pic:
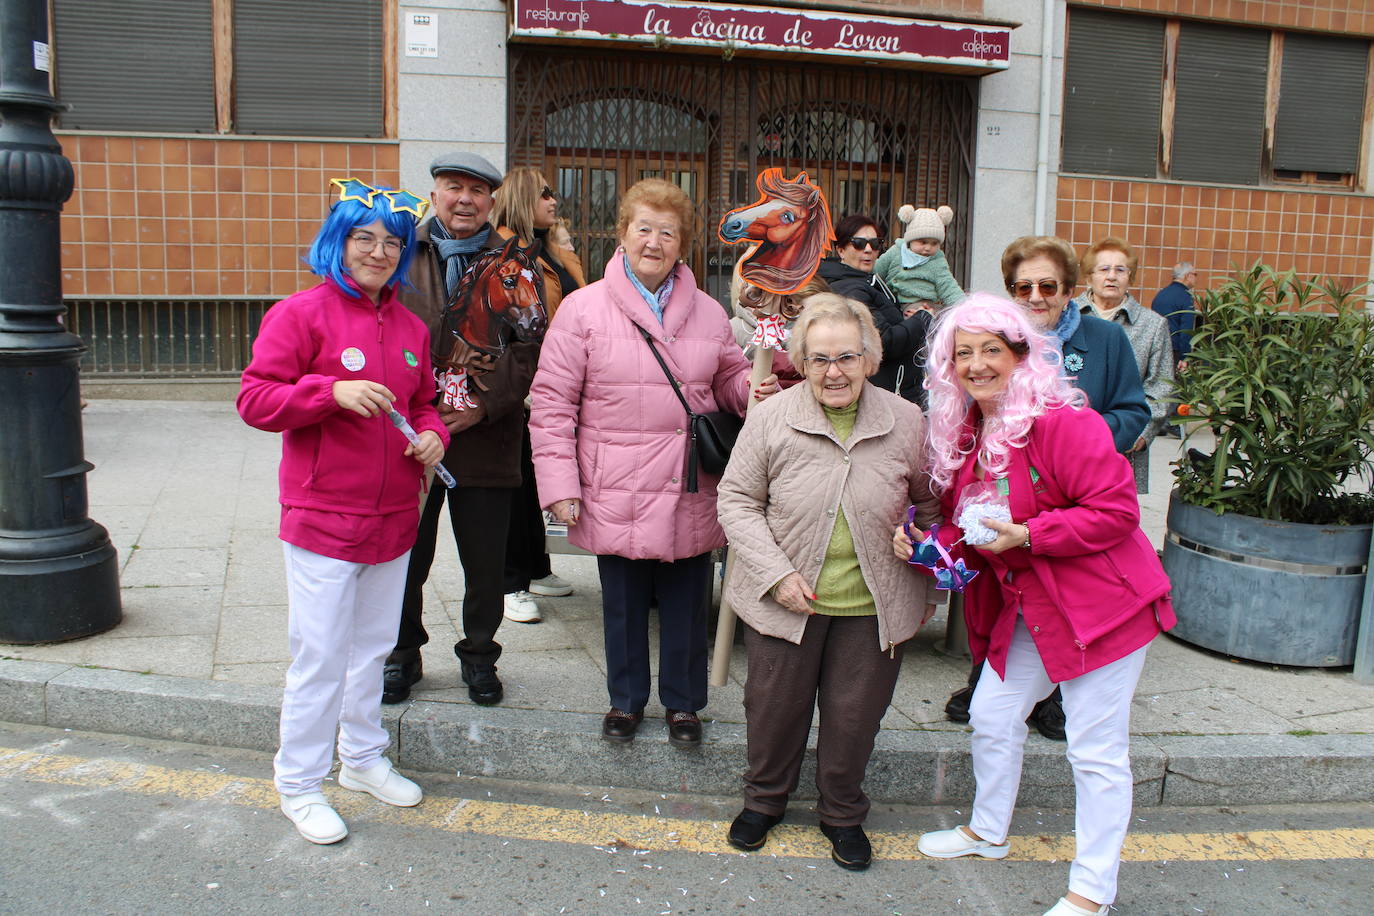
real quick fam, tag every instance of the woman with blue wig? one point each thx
(331, 366)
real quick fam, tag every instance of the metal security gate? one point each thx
(872, 138)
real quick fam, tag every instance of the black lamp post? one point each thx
(58, 573)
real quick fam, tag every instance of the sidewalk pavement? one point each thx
(188, 493)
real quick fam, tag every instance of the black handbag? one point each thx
(713, 434)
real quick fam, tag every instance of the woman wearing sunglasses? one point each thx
(525, 207)
(858, 242)
(1068, 591)
(817, 479)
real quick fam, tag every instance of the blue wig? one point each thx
(327, 251)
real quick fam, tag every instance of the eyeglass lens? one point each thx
(1022, 289)
(861, 242)
(548, 193)
(366, 243)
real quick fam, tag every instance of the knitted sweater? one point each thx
(931, 282)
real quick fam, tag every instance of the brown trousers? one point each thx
(839, 661)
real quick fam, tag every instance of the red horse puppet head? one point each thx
(499, 297)
(790, 224)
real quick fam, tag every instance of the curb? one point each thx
(908, 767)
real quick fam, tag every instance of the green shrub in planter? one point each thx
(1268, 536)
(1282, 370)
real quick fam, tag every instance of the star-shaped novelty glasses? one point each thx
(953, 575)
(401, 201)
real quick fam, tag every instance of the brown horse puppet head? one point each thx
(499, 297)
(790, 227)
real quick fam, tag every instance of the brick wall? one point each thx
(213, 217)
(1214, 226)
(1354, 17)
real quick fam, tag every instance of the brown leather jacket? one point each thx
(487, 454)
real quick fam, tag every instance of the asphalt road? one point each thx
(100, 824)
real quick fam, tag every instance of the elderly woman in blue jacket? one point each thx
(1041, 273)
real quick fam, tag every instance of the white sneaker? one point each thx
(520, 608)
(551, 587)
(382, 782)
(314, 818)
(951, 844)
(1067, 908)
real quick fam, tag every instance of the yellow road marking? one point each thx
(627, 832)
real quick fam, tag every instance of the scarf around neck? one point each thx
(1069, 320)
(456, 253)
(658, 300)
(911, 259)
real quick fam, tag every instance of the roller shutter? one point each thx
(1113, 84)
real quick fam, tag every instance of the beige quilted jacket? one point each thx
(777, 502)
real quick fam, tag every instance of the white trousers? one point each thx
(1097, 706)
(343, 622)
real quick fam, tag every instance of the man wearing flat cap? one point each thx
(484, 455)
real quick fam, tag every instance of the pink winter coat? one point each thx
(606, 428)
(1091, 587)
(348, 473)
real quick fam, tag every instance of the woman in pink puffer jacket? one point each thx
(610, 441)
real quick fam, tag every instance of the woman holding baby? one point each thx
(1066, 588)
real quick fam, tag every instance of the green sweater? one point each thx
(840, 588)
(931, 282)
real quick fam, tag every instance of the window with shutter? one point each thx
(1219, 115)
(1321, 100)
(146, 66)
(1113, 86)
(310, 67)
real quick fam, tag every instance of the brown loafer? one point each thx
(684, 728)
(619, 725)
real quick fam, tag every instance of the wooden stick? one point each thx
(725, 625)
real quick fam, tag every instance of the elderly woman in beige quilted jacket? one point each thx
(818, 479)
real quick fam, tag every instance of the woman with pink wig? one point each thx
(1065, 588)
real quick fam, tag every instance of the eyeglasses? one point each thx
(548, 193)
(820, 364)
(860, 242)
(1111, 269)
(950, 574)
(366, 243)
(1022, 289)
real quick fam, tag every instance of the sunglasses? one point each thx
(548, 194)
(861, 242)
(1022, 289)
(953, 576)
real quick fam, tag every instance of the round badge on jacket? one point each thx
(353, 359)
(411, 361)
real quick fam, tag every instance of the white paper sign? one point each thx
(40, 56)
(422, 35)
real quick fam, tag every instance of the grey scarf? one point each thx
(456, 253)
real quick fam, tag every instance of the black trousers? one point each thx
(479, 517)
(682, 591)
(526, 558)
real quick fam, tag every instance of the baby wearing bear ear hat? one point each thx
(915, 268)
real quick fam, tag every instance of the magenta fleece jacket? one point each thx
(334, 460)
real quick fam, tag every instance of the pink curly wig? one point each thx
(1036, 385)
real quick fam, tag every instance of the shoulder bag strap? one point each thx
(691, 417)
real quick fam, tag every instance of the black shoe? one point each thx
(619, 725)
(750, 829)
(684, 728)
(484, 687)
(956, 710)
(849, 846)
(397, 678)
(1048, 717)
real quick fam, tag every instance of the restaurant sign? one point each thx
(946, 45)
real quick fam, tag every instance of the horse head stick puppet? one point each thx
(789, 226)
(790, 231)
(500, 297)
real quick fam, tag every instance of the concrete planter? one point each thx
(1277, 592)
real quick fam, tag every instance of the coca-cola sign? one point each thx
(949, 45)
